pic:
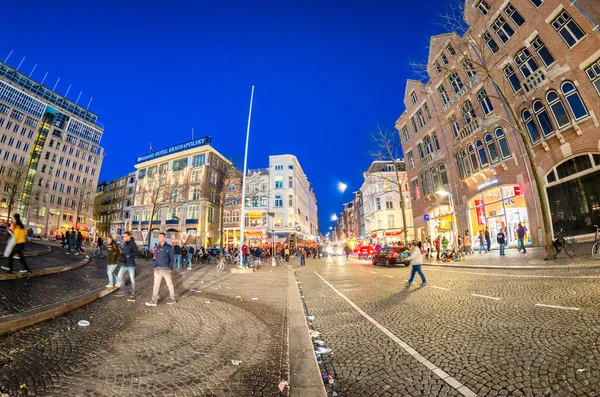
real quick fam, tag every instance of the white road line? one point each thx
(486, 297)
(385, 275)
(462, 389)
(373, 272)
(557, 307)
(436, 287)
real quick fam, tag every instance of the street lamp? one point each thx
(442, 192)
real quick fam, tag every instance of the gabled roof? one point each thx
(435, 45)
(410, 84)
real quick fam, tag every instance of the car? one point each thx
(390, 256)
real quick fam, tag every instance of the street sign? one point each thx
(426, 217)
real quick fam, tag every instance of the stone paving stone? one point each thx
(505, 347)
(180, 350)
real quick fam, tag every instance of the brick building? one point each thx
(113, 204)
(523, 68)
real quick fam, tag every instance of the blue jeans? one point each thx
(482, 247)
(98, 249)
(299, 261)
(189, 260)
(177, 263)
(522, 244)
(416, 269)
(110, 269)
(502, 249)
(122, 270)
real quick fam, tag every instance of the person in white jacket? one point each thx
(416, 260)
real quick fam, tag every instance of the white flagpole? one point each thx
(243, 217)
(33, 70)
(9, 54)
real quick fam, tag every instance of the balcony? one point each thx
(432, 158)
(534, 81)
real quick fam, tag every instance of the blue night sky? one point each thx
(325, 74)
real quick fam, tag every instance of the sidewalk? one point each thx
(31, 249)
(179, 350)
(43, 264)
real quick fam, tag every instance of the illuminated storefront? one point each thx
(440, 222)
(497, 207)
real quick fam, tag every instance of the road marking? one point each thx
(557, 307)
(385, 275)
(486, 297)
(436, 287)
(462, 389)
(373, 272)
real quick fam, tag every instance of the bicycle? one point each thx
(221, 265)
(596, 245)
(561, 244)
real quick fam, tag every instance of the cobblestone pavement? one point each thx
(53, 259)
(29, 246)
(497, 332)
(181, 350)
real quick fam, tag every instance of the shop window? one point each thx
(491, 148)
(573, 166)
(542, 117)
(532, 130)
(443, 175)
(558, 109)
(574, 100)
(483, 159)
(502, 143)
(473, 157)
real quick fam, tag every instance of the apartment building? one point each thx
(50, 155)
(113, 204)
(524, 69)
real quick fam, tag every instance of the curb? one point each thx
(21, 321)
(46, 271)
(305, 374)
(47, 251)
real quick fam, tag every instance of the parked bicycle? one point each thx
(560, 244)
(596, 245)
(453, 254)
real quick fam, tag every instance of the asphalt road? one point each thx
(468, 332)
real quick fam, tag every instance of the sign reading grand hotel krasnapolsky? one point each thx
(174, 149)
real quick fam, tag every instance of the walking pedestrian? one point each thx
(287, 253)
(347, 251)
(303, 257)
(99, 247)
(163, 267)
(20, 235)
(177, 252)
(65, 241)
(482, 242)
(467, 242)
(127, 261)
(437, 244)
(416, 260)
(501, 238)
(112, 259)
(488, 240)
(521, 238)
(190, 252)
(245, 252)
(72, 240)
(445, 244)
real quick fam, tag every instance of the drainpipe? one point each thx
(585, 14)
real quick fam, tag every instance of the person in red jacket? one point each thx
(437, 243)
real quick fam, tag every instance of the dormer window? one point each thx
(450, 50)
(413, 98)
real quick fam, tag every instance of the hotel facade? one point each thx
(467, 165)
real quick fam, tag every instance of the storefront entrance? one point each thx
(497, 208)
(440, 223)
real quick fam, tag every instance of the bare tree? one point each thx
(229, 176)
(83, 199)
(159, 191)
(480, 65)
(387, 148)
(12, 183)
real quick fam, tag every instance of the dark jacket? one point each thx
(521, 232)
(487, 235)
(501, 238)
(128, 253)
(191, 250)
(177, 249)
(112, 253)
(164, 256)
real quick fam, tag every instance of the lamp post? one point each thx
(454, 227)
(94, 227)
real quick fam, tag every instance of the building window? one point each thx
(411, 159)
(444, 59)
(542, 117)
(290, 181)
(459, 162)
(389, 204)
(435, 141)
(465, 160)
(537, 3)
(483, 159)
(278, 201)
(491, 148)
(435, 179)
(414, 125)
(593, 73)
(450, 50)
(502, 29)
(568, 29)
(195, 193)
(502, 143)
(490, 42)
(378, 204)
(405, 133)
(437, 67)
(512, 78)
(468, 68)
(443, 175)
(391, 222)
(426, 111)
(574, 100)
(558, 109)
(278, 167)
(468, 112)
(413, 98)
(483, 7)
(199, 160)
(428, 145)
(455, 82)
(485, 102)
(525, 62)
(213, 178)
(542, 51)
(279, 182)
(513, 14)
(291, 200)
(179, 164)
(211, 214)
(420, 150)
(453, 121)
(473, 157)
(420, 118)
(416, 193)
(445, 100)
(192, 212)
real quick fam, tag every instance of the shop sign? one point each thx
(480, 212)
(488, 183)
(174, 149)
(374, 235)
(472, 81)
(255, 215)
(426, 217)
(253, 234)
(399, 233)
